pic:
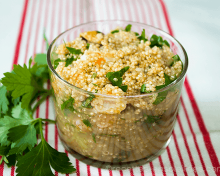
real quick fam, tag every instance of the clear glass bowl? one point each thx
(124, 131)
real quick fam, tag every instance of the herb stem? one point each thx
(48, 120)
(42, 99)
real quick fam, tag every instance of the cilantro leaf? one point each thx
(23, 137)
(21, 83)
(116, 78)
(70, 61)
(41, 59)
(87, 123)
(136, 33)
(143, 89)
(162, 95)
(176, 58)
(152, 119)
(158, 41)
(39, 159)
(87, 46)
(98, 32)
(5, 124)
(142, 37)
(87, 103)
(93, 137)
(3, 100)
(128, 28)
(68, 104)
(115, 31)
(74, 50)
(56, 63)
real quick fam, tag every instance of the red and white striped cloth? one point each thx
(191, 151)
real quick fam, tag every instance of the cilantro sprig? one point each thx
(162, 95)
(142, 36)
(116, 78)
(158, 41)
(19, 91)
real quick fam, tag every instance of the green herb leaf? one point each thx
(98, 31)
(74, 50)
(93, 137)
(39, 160)
(23, 137)
(96, 90)
(41, 59)
(128, 28)
(162, 95)
(143, 89)
(115, 31)
(87, 102)
(87, 123)
(94, 84)
(87, 46)
(56, 63)
(175, 58)
(142, 37)
(152, 119)
(70, 61)
(21, 83)
(158, 41)
(3, 100)
(94, 75)
(136, 33)
(116, 78)
(68, 104)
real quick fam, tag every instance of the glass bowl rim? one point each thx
(115, 96)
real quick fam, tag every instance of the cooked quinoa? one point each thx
(112, 52)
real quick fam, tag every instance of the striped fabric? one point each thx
(191, 150)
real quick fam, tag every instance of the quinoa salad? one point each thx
(122, 64)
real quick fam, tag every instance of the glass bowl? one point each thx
(115, 131)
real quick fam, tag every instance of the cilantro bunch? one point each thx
(19, 91)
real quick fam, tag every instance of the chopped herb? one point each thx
(87, 102)
(116, 78)
(136, 33)
(56, 63)
(87, 123)
(74, 50)
(70, 61)
(162, 95)
(142, 37)
(98, 32)
(122, 118)
(88, 156)
(87, 46)
(151, 119)
(143, 89)
(68, 104)
(136, 121)
(115, 31)
(93, 137)
(94, 75)
(158, 41)
(175, 58)
(128, 28)
(94, 84)
(96, 90)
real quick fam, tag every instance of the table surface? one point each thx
(194, 149)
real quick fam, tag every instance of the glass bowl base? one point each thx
(114, 166)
